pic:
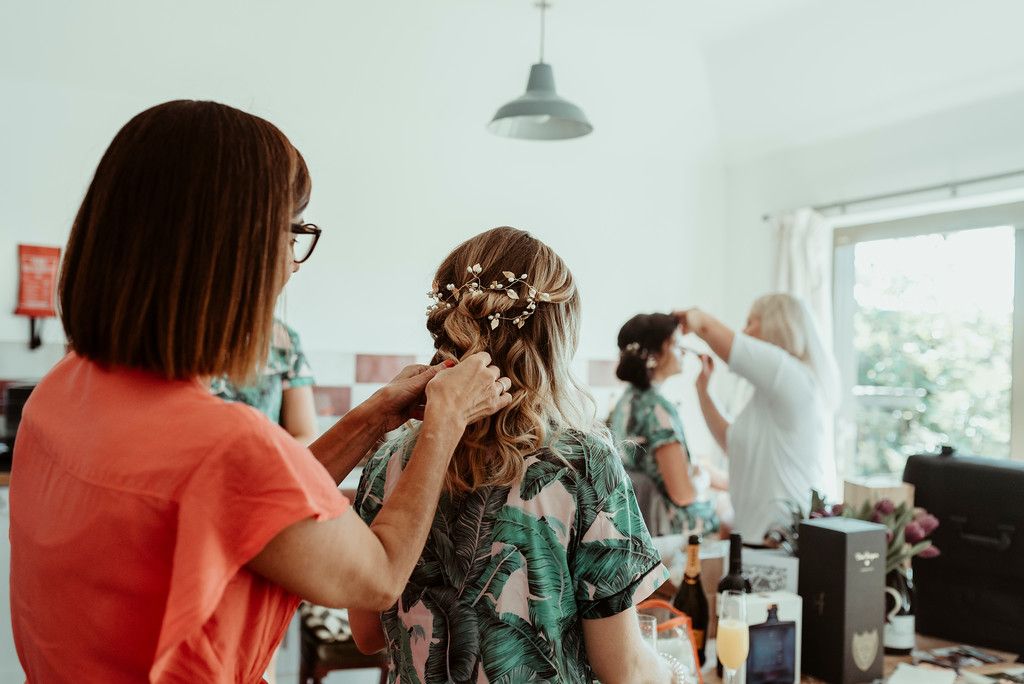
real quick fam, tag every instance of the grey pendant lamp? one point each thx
(539, 113)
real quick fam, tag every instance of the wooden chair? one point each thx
(319, 656)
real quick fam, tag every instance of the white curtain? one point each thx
(803, 263)
(803, 267)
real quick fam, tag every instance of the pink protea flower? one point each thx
(930, 552)
(885, 507)
(914, 532)
(928, 523)
(837, 509)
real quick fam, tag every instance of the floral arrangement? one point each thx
(907, 528)
(907, 531)
(787, 537)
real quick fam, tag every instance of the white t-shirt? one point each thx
(776, 445)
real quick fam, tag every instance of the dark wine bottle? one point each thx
(691, 598)
(734, 581)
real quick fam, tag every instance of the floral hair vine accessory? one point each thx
(634, 349)
(473, 287)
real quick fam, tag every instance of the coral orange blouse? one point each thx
(135, 504)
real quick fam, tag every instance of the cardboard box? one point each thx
(771, 570)
(790, 609)
(842, 582)
(860, 490)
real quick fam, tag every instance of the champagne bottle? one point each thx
(691, 598)
(899, 631)
(734, 581)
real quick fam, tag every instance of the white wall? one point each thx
(388, 102)
(824, 101)
(970, 141)
(827, 70)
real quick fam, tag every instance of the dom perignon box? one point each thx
(842, 583)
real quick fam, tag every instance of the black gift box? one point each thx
(842, 583)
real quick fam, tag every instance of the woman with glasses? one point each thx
(184, 529)
(283, 389)
(649, 427)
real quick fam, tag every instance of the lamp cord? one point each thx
(543, 5)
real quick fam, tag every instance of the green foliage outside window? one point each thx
(962, 364)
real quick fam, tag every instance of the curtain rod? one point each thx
(952, 187)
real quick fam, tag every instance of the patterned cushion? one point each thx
(329, 625)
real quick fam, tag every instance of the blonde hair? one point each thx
(546, 399)
(787, 322)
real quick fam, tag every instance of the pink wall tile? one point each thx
(332, 401)
(601, 373)
(380, 368)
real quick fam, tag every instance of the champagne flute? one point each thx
(649, 629)
(733, 633)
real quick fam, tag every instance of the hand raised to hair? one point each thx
(402, 398)
(472, 390)
(689, 319)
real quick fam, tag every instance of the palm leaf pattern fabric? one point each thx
(286, 368)
(508, 573)
(642, 421)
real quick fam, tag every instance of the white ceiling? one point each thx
(783, 73)
(822, 70)
(763, 74)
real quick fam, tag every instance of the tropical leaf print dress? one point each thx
(642, 421)
(508, 573)
(286, 368)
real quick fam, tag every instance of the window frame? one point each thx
(955, 215)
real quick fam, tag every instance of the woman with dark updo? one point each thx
(649, 427)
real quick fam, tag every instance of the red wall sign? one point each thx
(38, 269)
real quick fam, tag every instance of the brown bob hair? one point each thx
(176, 256)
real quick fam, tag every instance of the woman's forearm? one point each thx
(367, 631)
(718, 335)
(359, 566)
(403, 522)
(345, 444)
(716, 422)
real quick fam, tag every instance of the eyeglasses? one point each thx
(304, 239)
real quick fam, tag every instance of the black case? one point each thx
(974, 591)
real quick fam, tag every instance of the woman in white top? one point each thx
(777, 445)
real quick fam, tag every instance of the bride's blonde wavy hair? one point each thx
(546, 399)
